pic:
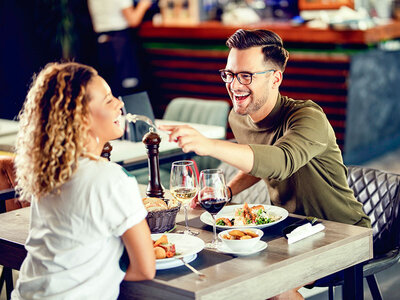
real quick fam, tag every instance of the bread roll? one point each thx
(160, 253)
(154, 204)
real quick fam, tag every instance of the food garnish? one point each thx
(163, 248)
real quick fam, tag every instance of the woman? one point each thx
(84, 209)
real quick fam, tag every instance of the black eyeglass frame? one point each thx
(238, 77)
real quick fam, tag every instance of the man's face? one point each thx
(249, 99)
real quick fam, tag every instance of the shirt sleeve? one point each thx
(122, 206)
(305, 137)
(125, 4)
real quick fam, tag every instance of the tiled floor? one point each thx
(389, 279)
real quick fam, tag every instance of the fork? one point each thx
(134, 118)
(201, 275)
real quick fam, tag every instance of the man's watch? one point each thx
(230, 193)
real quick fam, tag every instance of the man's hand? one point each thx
(189, 139)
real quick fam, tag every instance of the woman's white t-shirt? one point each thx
(74, 244)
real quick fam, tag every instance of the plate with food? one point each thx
(169, 247)
(244, 215)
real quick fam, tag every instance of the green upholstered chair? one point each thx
(210, 112)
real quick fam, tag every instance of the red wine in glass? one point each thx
(213, 205)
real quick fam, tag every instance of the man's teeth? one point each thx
(241, 95)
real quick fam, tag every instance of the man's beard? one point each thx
(253, 106)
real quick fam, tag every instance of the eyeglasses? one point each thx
(244, 78)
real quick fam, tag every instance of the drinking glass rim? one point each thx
(211, 171)
(182, 162)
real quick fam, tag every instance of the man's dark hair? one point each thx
(271, 43)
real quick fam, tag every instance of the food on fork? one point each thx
(163, 248)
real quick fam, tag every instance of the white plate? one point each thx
(186, 245)
(257, 248)
(173, 263)
(229, 212)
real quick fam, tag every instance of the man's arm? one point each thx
(134, 16)
(242, 181)
(189, 139)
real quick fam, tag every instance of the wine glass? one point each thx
(183, 186)
(212, 197)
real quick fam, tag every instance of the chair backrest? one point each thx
(7, 181)
(379, 192)
(210, 112)
(138, 103)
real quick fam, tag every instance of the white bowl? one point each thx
(241, 245)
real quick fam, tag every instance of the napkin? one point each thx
(304, 231)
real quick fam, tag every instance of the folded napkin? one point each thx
(303, 231)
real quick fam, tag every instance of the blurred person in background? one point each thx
(84, 209)
(117, 50)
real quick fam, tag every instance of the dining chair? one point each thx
(137, 103)
(193, 110)
(379, 192)
(201, 111)
(8, 202)
(256, 194)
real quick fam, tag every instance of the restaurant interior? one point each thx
(344, 55)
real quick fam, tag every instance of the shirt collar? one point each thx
(271, 120)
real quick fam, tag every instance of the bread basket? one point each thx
(163, 220)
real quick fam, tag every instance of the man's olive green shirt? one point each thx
(296, 153)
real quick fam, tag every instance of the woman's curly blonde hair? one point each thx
(53, 128)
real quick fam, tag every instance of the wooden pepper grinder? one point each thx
(152, 142)
(106, 152)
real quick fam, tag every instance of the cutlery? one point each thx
(134, 118)
(201, 275)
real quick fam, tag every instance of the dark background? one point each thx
(31, 32)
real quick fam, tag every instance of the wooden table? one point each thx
(276, 269)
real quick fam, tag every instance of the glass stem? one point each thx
(214, 229)
(186, 217)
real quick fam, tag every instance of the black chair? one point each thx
(379, 192)
(138, 103)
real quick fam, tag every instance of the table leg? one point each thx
(353, 283)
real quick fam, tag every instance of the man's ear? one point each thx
(277, 79)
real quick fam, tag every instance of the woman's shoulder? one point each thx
(100, 169)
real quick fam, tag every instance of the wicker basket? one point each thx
(164, 220)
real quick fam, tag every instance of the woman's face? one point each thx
(105, 111)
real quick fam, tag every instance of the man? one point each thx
(288, 143)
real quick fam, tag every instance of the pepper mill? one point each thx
(152, 141)
(106, 152)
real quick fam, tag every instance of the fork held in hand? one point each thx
(201, 275)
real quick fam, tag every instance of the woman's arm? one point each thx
(139, 245)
